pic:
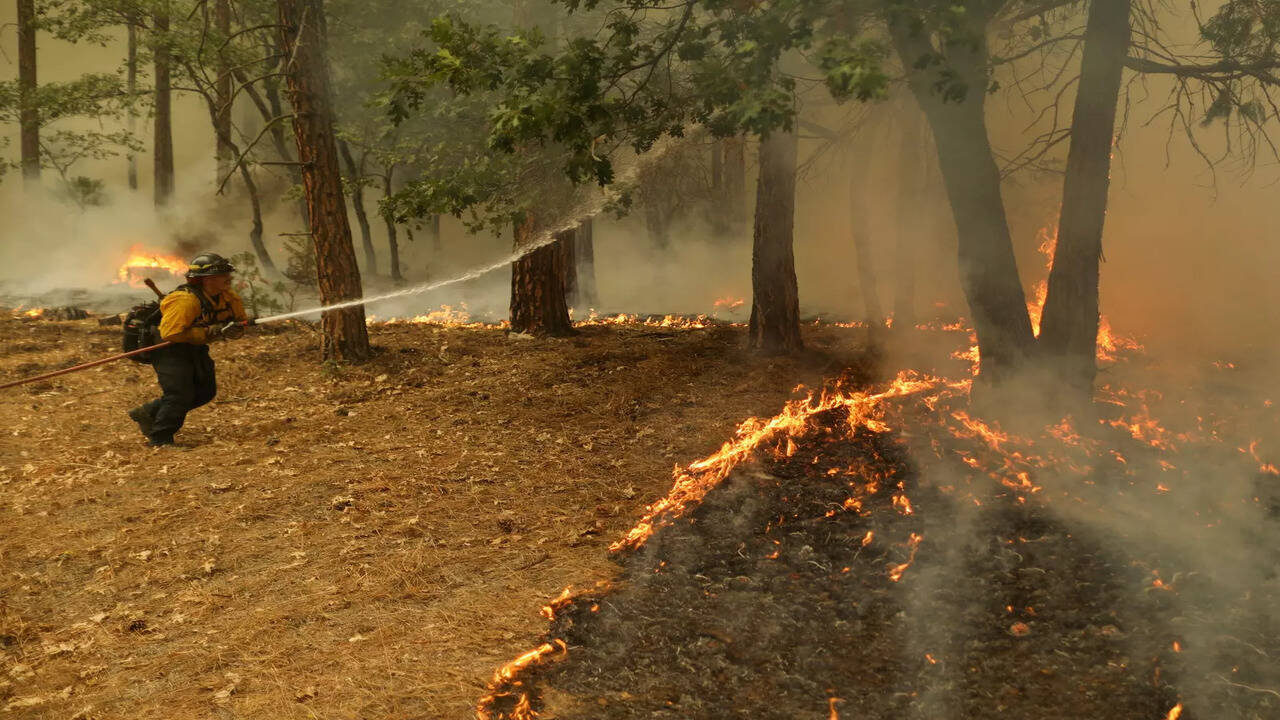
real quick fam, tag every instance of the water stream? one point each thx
(586, 210)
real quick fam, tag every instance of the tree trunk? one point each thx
(718, 210)
(860, 226)
(775, 300)
(911, 185)
(393, 240)
(302, 36)
(222, 88)
(735, 181)
(29, 114)
(988, 268)
(437, 242)
(586, 261)
(538, 304)
(657, 223)
(163, 140)
(568, 244)
(223, 137)
(356, 176)
(131, 85)
(1069, 327)
(271, 88)
(255, 233)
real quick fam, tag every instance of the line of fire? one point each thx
(683, 359)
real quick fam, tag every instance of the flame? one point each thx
(1110, 345)
(506, 675)
(132, 270)
(446, 315)
(953, 431)
(693, 482)
(1175, 712)
(895, 572)
(682, 322)
(1048, 244)
(728, 303)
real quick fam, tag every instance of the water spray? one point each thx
(542, 239)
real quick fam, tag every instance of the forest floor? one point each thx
(337, 542)
(374, 541)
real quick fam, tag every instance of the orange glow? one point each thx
(680, 322)
(523, 709)
(1048, 244)
(895, 572)
(728, 303)
(1109, 343)
(141, 260)
(693, 482)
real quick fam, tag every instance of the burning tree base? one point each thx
(833, 579)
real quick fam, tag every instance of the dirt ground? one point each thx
(338, 542)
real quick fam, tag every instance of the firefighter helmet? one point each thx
(208, 265)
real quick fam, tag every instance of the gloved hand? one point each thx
(230, 331)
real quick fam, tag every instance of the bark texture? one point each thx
(567, 241)
(222, 87)
(162, 151)
(988, 268)
(223, 137)
(355, 175)
(302, 37)
(271, 89)
(775, 299)
(29, 115)
(1069, 326)
(586, 260)
(538, 304)
(131, 84)
(735, 181)
(437, 241)
(393, 237)
(255, 232)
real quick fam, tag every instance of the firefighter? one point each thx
(195, 314)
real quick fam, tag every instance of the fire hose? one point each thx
(121, 356)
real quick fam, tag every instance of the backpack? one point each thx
(141, 326)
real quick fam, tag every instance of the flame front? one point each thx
(1009, 462)
(140, 259)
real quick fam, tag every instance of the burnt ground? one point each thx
(337, 542)
(374, 541)
(766, 601)
(759, 605)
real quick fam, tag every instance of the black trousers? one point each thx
(187, 379)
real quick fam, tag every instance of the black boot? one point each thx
(146, 421)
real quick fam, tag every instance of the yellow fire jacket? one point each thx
(182, 315)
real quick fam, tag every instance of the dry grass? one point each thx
(350, 542)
